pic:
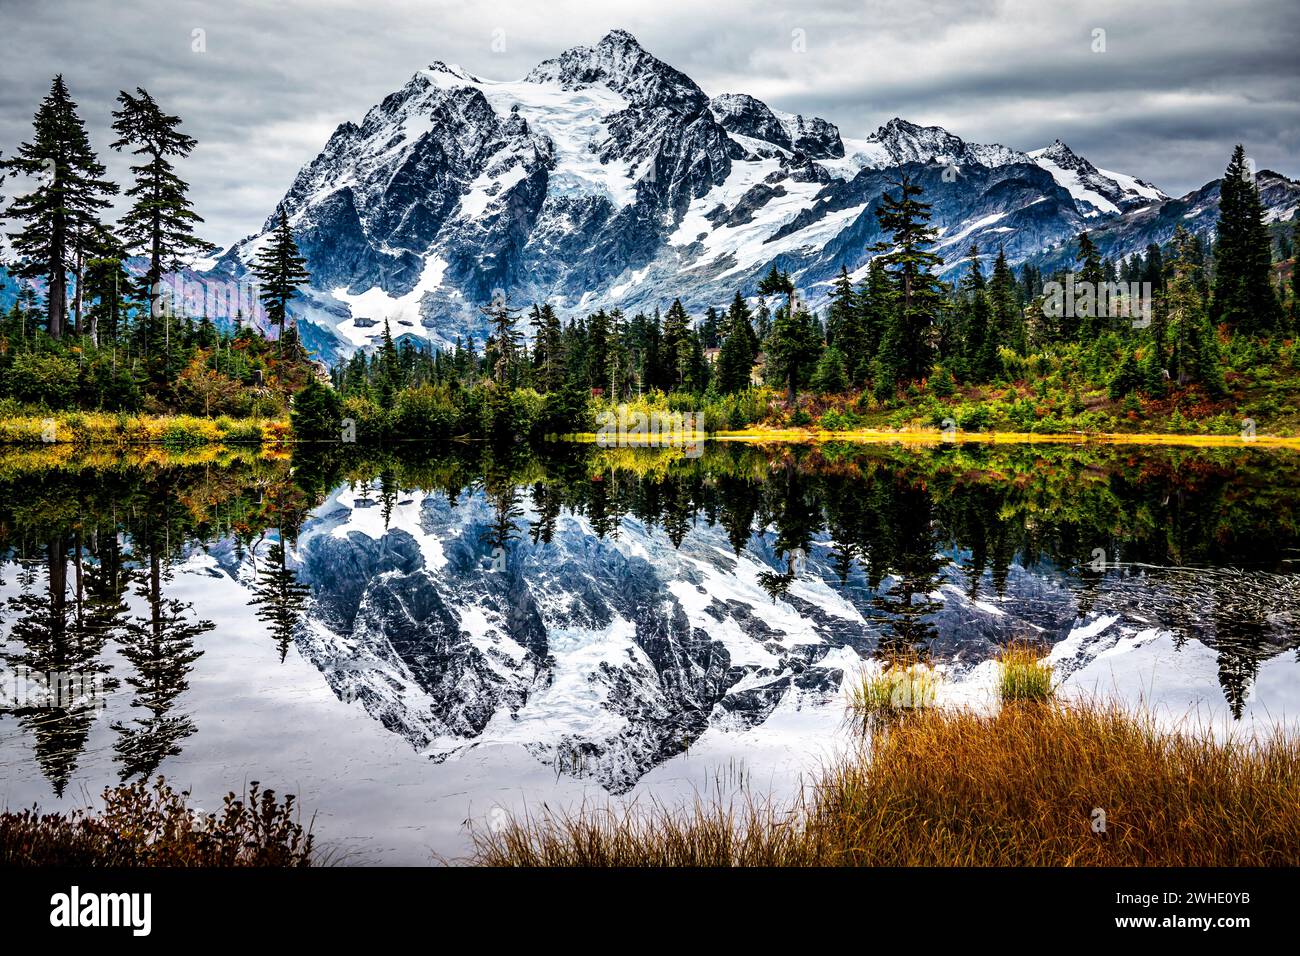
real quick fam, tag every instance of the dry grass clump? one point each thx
(958, 788)
(153, 825)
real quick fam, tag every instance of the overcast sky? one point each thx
(264, 83)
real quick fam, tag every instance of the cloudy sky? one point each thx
(262, 85)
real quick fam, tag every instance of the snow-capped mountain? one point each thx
(606, 178)
(1104, 191)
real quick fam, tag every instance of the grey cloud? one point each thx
(1178, 84)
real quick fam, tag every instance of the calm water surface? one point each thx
(424, 636)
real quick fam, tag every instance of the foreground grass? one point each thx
(144, 825)
(121, 429)
(1038, 784)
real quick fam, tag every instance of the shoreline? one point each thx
(107, 429)
(935, 437)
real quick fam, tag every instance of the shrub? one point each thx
(974, 418)
(423, 412)
(317, 413)
(47, 380)
(153, 825)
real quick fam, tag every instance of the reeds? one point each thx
(1048, 785)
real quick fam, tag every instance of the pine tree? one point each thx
(1195, 345)
(550, 348)
(64, 207)
(1295, 275)
(843, 312)
(597, 351)
(618, 376)
(1008, 320)
(830, 376)
(739, 349)
(876, 303)
(280, 270)
(793, 349)
(160, 223)
(1153, 269)
(778, 283)
(107, 285)
(907, 346)
(978, 349)
(710, 330)
(676, 346)
(386, 368)
(505, 338)
(1243, 289)
(1090, 276)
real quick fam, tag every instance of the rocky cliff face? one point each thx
(606, 178)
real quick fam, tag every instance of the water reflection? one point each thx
(603, 607)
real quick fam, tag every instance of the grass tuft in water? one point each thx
(1023, 674)
(903, 685)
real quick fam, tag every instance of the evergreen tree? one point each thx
(1090, 276)
(793, 349)
(107, 286)
(676, 347)
(317, 412)
(280, 270)
(778, 283)
(978, 349)
(280, 597)
(64, 206)
(711, 329)
(161, 221)
(1195, 345)
(597, 353)
(830, 376)
(1243, 287)
(1295, 275)
(876, 303)
(386, 370)
(1007, 318)
(907, 347)
(843, 314)
(739, 349)
(550, 349)
(1153, 269)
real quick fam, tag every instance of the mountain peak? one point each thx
(621, 64)
(1059, 153)
(619, 38)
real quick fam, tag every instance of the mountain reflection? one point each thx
(461, 577)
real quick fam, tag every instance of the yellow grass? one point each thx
(1033, 785)
(933, 436)
(108, 428)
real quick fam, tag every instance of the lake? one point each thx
(415, 637)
